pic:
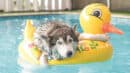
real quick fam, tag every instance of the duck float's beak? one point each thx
(109, 28)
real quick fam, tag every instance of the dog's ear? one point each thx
(74, 29)
(77, 34)
(50, 36)
(52, 40)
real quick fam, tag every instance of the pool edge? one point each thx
(42, 13)
(35, 13)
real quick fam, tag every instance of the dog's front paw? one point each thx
(44, 60)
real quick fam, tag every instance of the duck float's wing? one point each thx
(29, 30)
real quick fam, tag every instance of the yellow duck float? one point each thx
(94, 20)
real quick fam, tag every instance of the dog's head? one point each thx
(64, 41)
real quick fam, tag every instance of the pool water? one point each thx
(11, 33)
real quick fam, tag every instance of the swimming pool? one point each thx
(11, 29)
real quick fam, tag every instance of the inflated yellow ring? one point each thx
(89, 51)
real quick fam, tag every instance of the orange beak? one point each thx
(108, 28)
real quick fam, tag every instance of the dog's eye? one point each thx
(59, 42)
(70, 40)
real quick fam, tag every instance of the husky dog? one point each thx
(57, 40)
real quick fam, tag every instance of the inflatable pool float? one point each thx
(88, 50)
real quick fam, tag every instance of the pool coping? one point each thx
(42, 13)
(120, 15)
(35, 13)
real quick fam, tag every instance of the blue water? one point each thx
(11, 29)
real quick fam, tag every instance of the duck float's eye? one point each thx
(97, 13)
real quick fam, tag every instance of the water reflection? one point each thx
(28, 68)
(101, 67)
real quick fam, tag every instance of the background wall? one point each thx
(78, 4)
(2, 5)
(120, 5)
(116, 5)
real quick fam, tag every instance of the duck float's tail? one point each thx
(27, 50)
(29, 30)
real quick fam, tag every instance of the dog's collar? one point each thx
(31, 45)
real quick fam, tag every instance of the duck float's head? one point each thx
(95, 19)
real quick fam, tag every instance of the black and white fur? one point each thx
(57, 40)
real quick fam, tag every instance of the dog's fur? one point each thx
(57, 39)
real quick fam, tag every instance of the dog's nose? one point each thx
(69, 53)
